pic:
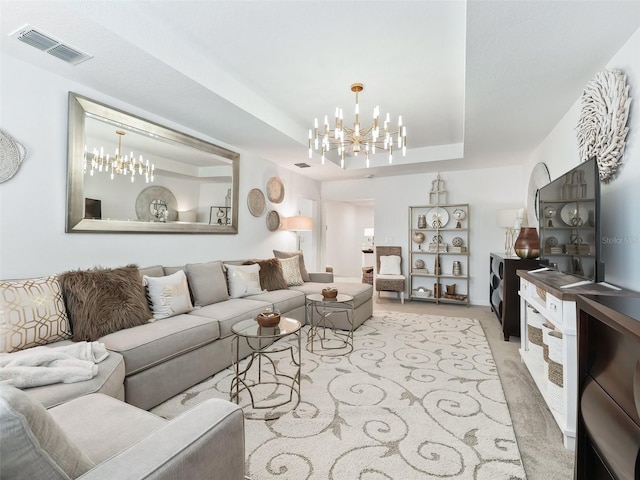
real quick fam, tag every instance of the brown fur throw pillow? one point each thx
(102, 301)
(271, 276)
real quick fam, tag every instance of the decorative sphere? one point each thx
(419, 264)
(457, 242)
(418, 237)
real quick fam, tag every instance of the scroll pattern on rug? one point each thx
(418, 398)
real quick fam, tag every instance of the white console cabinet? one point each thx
(542, 302)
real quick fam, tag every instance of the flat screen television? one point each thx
(569, 222)
(92, 208)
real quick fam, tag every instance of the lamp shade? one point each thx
(298, 224)
(368, 232)
(508, 218)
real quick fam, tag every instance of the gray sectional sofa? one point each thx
(151, 363)
(148, 364)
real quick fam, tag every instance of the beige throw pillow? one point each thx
(300, 256)
(32, 313)
(291, 271)
(168, 295)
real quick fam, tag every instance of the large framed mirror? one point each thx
(128, 174)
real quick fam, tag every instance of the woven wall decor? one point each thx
(12, 154)
(601, 128)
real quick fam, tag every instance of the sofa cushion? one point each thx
(33, 446)
(361, 292)
(147, 345)
(168, 295)
(105, 415)
(208, 283)
(109, 380)
(154, 271)
(33, 313)
(100, 301)
(243, 280)
(271, 276)
(282, 300)
(232, 311)
(291, 271)
(298, 254)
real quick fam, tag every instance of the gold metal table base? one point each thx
(332, 341)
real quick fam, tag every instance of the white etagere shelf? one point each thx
(445, 233)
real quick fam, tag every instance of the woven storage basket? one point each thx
(556, 347)
(546, 330)
(555, 390)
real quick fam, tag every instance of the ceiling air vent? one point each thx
(50, 45)
(302, 165)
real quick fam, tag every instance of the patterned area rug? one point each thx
(418, 398)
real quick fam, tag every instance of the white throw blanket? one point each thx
(37, 366)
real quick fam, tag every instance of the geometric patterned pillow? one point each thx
(32, 312)
(291, 271)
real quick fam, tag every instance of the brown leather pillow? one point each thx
(271, 276)
(100, 301)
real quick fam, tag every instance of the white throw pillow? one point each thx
(169, 295)
(390, 265)
(291, 270)
(243, 280)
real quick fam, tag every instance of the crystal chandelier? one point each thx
(118, 164)
(357, 139)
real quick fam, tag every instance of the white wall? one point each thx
(33, 203)
(344, 226)
(486, 190)
(620, 198)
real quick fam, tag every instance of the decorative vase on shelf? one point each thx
(528, 243)
(422, 221)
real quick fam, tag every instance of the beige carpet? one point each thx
(419, 398)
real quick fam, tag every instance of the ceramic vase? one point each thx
(528, 243)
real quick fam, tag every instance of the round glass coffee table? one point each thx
(282, 365)
(335, 337)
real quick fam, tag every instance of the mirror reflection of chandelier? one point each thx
(118, 164)
(357, 139)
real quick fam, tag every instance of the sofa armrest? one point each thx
(321, 277)
(204, 442)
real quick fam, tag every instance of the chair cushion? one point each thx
(33, 313)
(390, 265)
(243, 280)
(101, 301)
(168, 295)
(291, 271)
(298, 254)
(33, 446)
(208, 282)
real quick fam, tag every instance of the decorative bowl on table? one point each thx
(268, 319)
(329, 292)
